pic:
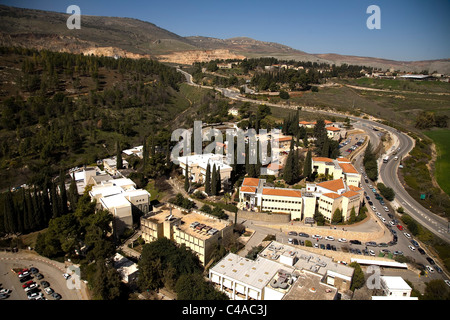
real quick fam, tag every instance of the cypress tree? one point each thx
(63, 194)
(186, 178)
(24, 218)
(219, 181)
(208, 180)
(119, 162)
(214, 181)
(307, 168)
(10, 214)
(73, 194)
(54, 199)
(38, 212)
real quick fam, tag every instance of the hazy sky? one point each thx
(410, 29)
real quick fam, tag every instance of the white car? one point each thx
(5, 291)
(316, 236)
(66, 276)
(48, 290)
(290, 240)
(31, 287)
(392, 223)
(371, 252)
(430, 269)
(386, 209)
(329, 238)
(407, 235)
(411, 248)
(35, 295)
(342, 240)
(383, 219)
(447, 282)
(378, 214)
(374, 209)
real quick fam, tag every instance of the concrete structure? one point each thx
(198, 163)
(137, 151)
(340, 168)
(110, 165)
(280, 272)
(127, 269)
(333, 133)
(198, 231)
(328, 196)
(120, 197)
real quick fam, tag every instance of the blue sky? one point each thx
(410, 29)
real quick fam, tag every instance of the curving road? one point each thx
(388, 173)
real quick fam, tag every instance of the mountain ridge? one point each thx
(131, 37)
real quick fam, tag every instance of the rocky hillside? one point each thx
(133, 38)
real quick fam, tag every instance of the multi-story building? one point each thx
(197, 230)
(281, 272)
(120, 197)
(326, 196)
(340, 168)
(198, 163)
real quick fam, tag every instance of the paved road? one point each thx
(388, 172)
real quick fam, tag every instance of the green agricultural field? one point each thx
(441, 138)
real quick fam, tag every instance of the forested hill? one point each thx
(59, 109)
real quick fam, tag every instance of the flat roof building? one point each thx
(197, 230)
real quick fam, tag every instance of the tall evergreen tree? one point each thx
(10, 214)
(73, 194)
(63, 194)
(219, 181)
(38, 212)
(208, 179)
(307, 167)
(214, 181)
(119, 163)
(54, 199)
(186, 178)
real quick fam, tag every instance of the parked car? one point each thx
(302, 234)
(5, 291)
(355, 242)
(400, 227)
(48, 290)
(342, 240)
(66, 276)
(430, 269)
(371, 252)
(421, 250)
(431, 261)
(292, 233)
(45, 284)
(56, 296)
(398, 252)
(411, 248)
(316, 236)
(329, 238)
(407, 235)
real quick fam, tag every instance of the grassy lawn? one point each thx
(441, 138)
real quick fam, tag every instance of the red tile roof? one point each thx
(333, 185)
(282, 192)
(331, 195)
(348, 168)
(247, 189)
(252, 182)
(322, 159)
(350, 194)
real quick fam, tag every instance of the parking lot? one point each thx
(9, 279)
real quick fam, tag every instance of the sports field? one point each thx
(441, 138)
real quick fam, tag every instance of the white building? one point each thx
(198, 163)
(120, 197)
(394, 288)
(280, 272)
(127, 269)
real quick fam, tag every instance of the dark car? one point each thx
(39, 276)
(45, 284)
(34, 270)
(295, 241)
(292, 233)
(431, 261)
(302, 234)
(56, 296)
(328, 246)
(25, 279)
(355, 242)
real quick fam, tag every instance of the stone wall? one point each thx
(266, 217)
